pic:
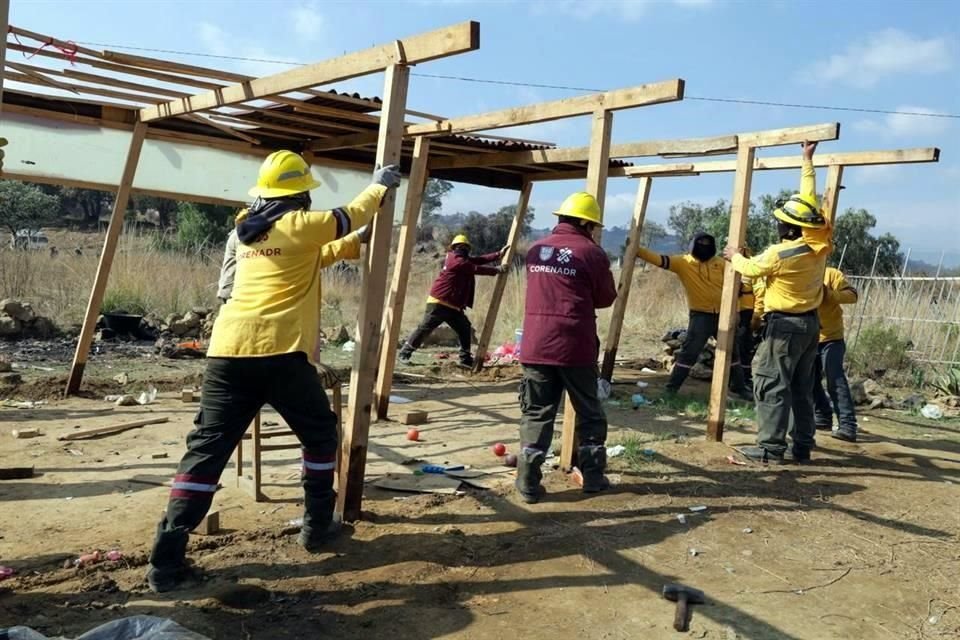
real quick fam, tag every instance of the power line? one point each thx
(534, 85)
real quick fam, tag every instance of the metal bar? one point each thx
(866, 292)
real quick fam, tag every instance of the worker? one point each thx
(701, 274)
(794, 270)
(260, 351)
(451, 293)
(830, 355)
(568, 279)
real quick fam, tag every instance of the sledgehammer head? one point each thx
(693, 596)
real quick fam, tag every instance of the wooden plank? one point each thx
(40, 74)
(831, 192)
(16, 473)
(626, 278)
(440, 43)
(344, 142)
(373, 288)
(577, 174)
(4, 25)
(123, 84)
(221, 127)
(849, 159)
(106, 93)
(396, 299)
(500, 285)
(691, 146)
(740, 206)
(106, 260)
(597, 173)
(93, 432)
(642, 95)
(790, 135)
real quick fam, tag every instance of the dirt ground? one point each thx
(861, 544)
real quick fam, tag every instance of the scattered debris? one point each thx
(122, 379)
(159, 456)
(642, 384)
(931, 411)
(732, 460)
(426, 483)
(413, 435)
(209, 525)
(7, 572)
(747, 530)
(187, 395)
(682, 519)
(414, 417)
(400, 400)
(348, 346)
(698, 508)
(638, 400)
(22, 434)
(23, 404)
(693, 552)
(615, 451)
(129, 400)
(499, 449)
(510, 460)
(647, 370)
(110, 430)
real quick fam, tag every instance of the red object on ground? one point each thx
(510, 460)
(413, 434)
(499, 449)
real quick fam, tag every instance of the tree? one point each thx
(689, 218)
(853, 240)
(488, 233)
(164, 207)
(651, 234)
(433, 195)
(196, 228)
(24, 206)
(89, 203)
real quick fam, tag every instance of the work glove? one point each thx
(504, 250)
(365, 233)
(388, 176)
(503, 268)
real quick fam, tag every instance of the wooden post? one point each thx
(4, 24)
(490, 321)
(373, 289)
(740, 207)
(831, 193)
(106, 259)
(597, 169)
(626, 278)
(393, 310)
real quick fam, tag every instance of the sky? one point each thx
(894, 56)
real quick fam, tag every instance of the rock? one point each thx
(41, 328)
(701, 372)
(871, 387)
(858, 393)
(10, 379)
(170, 319)
(179, 328)
(9, 326)
(913, 401)
(203, 312)
(106, 334)
(878, 403)
(22, 311)
(674, 344)
(338, 335)
(667, 349)
(192, 320)
(5, 366)
(950, 401)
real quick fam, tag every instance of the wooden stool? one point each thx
(252, 483)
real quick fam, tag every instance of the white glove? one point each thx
(388, 176)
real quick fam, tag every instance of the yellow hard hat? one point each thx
(460, 239)
(283, 173)
(581, 205)
(800, 210)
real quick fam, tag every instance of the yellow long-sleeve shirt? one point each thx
(793, 268)
(747, 297)
(702, 281)
(274, 308)
(836, 291)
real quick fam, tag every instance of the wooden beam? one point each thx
(692, 146)
(343, 142)
(831, 192)
(579, 174)
(97, 91)
(40, 74)
(740, 207)
(597, 170)
(106, 259)
(626, 278)
(790, 135)
(850, 159)
(374, 274)
(639, 96)
(500, 285)
(122, 84)
(443, 42)
(393, 309)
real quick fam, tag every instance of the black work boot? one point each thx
(593, 462)
(320, 526)
(168, 565)
(846, 436)
(759, 454)
(529, 475)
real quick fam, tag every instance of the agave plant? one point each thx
(949, 383)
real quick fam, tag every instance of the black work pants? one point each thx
(433, 317)
(541, 391)
(701, 327)
(234, 390)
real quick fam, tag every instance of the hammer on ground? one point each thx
(683, 596)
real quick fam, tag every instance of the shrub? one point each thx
(879, 349)
(948, 384)
(121, 300)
